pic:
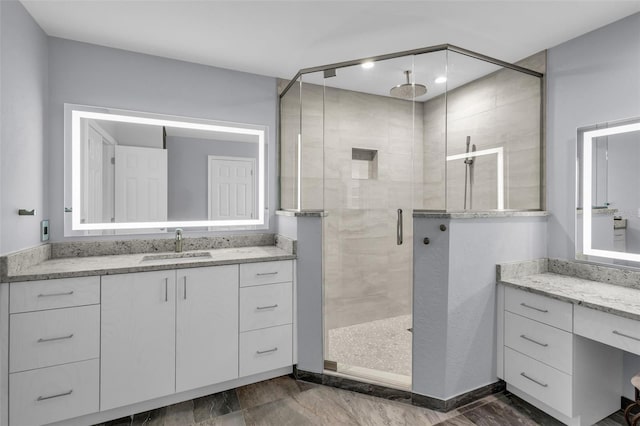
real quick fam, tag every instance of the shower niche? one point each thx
(372, 140)
(364, 163)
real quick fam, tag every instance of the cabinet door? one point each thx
(207, 326)
(138, 338)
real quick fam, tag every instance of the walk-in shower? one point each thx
(465, 134)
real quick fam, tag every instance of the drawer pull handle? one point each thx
(166, 289)
(544, 311)
(66, 293)
(266, 307)
(266, 273)
(44, 398)
(544, 385)
(53, 339)
(185, 288)
(534, 341)
(267, 351)
(625, 335)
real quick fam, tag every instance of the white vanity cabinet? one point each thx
(137, 337)
(545, 361)
(85, 350)
(166, 332)
(206, 326)
(54, 349)
(538, 348)
(266, 316)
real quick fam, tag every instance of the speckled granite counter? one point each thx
(122, 264)
(577, 283)
(438, 214)
(80, 259)
(302, 213)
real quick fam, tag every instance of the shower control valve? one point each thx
(443, 227)
(426, 240)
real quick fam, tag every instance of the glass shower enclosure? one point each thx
(363, 142)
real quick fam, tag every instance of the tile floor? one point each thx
(284, 401)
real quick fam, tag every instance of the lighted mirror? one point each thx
(135, 172)
(608, 200)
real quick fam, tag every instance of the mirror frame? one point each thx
(586, 135)
(73, 114)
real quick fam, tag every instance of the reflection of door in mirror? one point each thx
(600, 172)
(140, 185)
(231, 189)
(97, 173)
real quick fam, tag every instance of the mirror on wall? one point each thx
(608, 200)
(136, 172)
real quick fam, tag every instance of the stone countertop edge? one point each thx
(602, 211)
(71, 268)
(576, 300)
(577, 283)
(439, 214)
(302, 213)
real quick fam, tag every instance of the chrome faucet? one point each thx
(178, 240)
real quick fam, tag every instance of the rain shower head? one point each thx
(408, 90)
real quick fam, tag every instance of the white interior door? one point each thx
(231, 188)
(140, 184)
(92, 165)
(108, 182)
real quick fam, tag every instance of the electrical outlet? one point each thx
(44, 230)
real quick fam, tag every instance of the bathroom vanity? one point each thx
(562, 329)
(91, 339)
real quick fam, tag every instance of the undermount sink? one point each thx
(177, 257)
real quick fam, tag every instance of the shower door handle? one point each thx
(399, 228)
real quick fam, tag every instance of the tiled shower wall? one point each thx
(502, 109)
(368, 276)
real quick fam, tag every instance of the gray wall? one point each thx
(454, 328)
(23, 88)
(310, 289)
(590, 79)
(189, 170)
(87, 74)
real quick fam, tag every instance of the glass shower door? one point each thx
(369, 148)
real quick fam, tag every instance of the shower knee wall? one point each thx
(454, 331)
(454, 282)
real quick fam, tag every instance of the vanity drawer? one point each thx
(265, 349)
(613, 330)
(265, 306)
(266, 273)
(49, 294)
(540, 308)
(544, 343)
(42, 339)
(542, 382)
(47, 395)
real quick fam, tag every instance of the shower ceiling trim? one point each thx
(424, 50)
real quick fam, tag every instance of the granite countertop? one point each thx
(619, 300)
(125, 263)
(470, 214)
